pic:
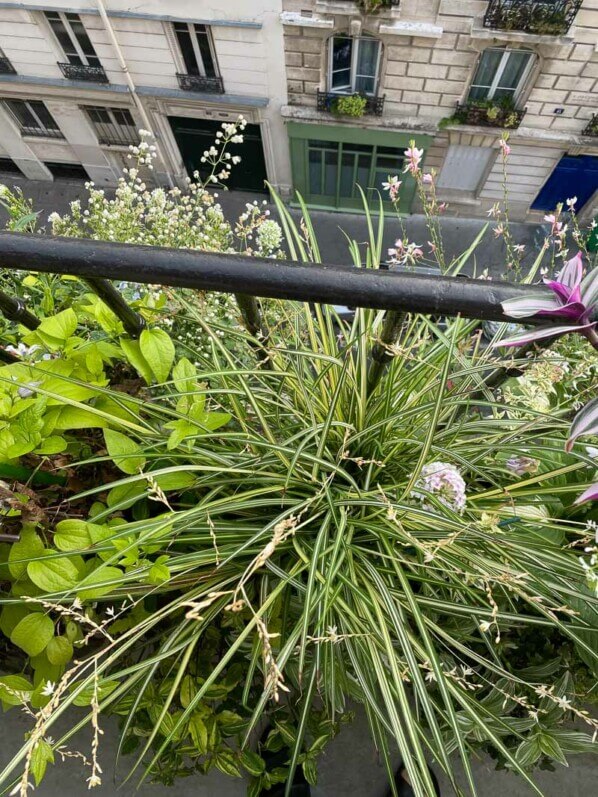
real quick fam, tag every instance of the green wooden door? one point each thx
(331, 162)
(338, 169)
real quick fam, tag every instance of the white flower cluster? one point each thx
(269, 237)
(188, 219)
(444, 481)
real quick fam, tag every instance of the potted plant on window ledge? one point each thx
(489, 113)
(353, 105)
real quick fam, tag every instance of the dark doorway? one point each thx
(574, 175)
(67, 171)
(8, 166)
(196, 135)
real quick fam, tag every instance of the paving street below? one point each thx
(332, 228)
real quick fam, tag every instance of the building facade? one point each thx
(333, 91)
(366, 76)
(79, 78)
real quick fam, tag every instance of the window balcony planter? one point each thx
(6, 68)
(540, 17)
(591, 129)
(200, 83)
(371, 6)
(90, 74)
(488, 114)
(338, 105)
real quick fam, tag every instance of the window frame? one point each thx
(121, 129)
(191, 29)
(66, 24)
(41, 131)
(354, 61)
(500, 70)
(377, 173)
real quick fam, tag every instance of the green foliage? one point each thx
(351, 105)
(233, 547)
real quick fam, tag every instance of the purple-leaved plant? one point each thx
(574, 298)
(585, 422)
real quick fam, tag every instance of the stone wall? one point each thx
(430, 51)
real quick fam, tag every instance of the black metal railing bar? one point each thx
(261, 277)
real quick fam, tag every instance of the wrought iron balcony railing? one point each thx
(328, 101)
(91, 74)
(6, 68)
(591, 128)
(209, 85)
(542, 17)
(485, 115)
(41, 132)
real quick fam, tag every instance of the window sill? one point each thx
(518, 36)
(297, 20)
(423, 30)
(32, 137)
(353, 9)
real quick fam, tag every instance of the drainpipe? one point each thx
(131, 83)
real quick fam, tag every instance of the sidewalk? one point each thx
(458, 233)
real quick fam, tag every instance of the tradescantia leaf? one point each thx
(585, 422)
(589, 288)
(541, 333)
(530, 305)
(591, 494)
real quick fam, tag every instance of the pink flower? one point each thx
(432, 247)
(557, 226)
(506, 149)
(392, 186)
(427, 178)
(442, 207)
(414, 156)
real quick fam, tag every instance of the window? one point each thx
(500, 74)
(113, 125)
(354, 64)
(465, 167)
(197, 48)
(336, 169)
(33, 118)
(73, 38)
(66, 171)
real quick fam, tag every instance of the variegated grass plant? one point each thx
(315, 535)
